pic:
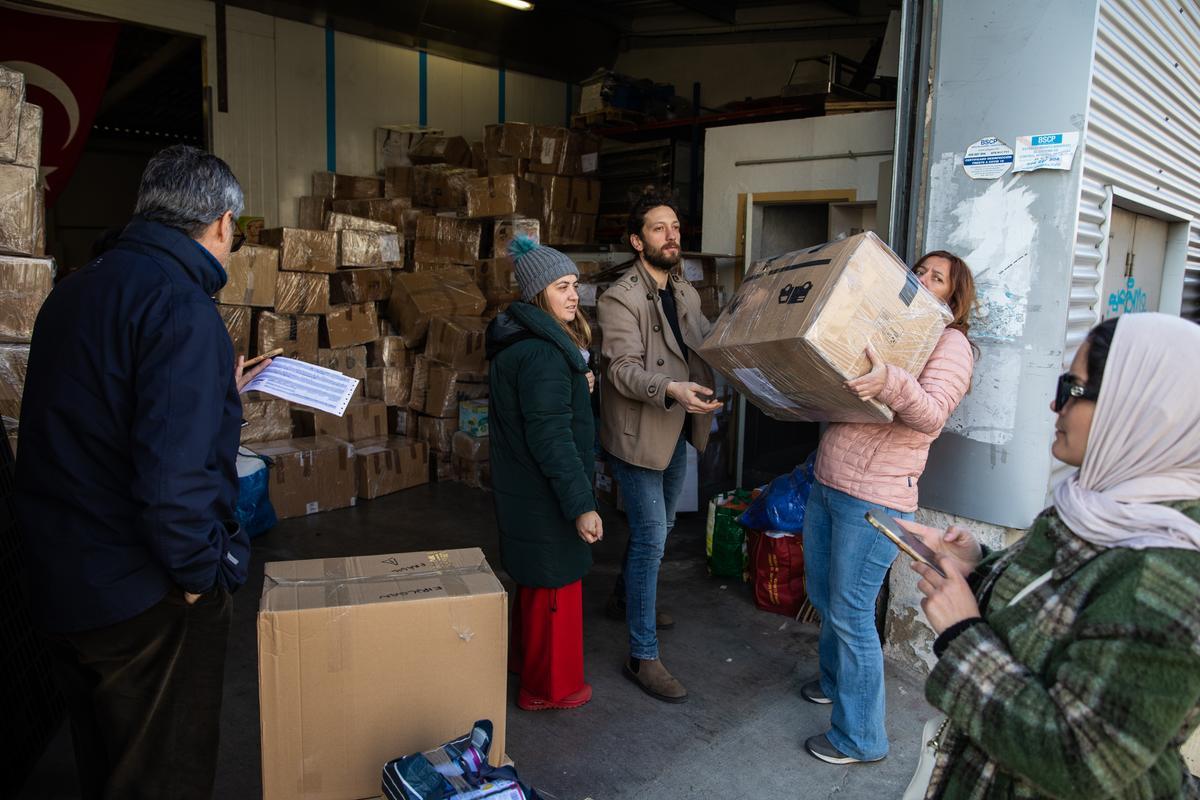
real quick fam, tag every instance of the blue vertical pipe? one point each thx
(501, 89)
(423, 88)
(330, 104)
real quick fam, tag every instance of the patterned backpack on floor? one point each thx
(458, 770)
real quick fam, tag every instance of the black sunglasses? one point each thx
(1068, 387)
(239, 239)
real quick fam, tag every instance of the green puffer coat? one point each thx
(542, 438)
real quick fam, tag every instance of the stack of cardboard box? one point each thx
(26, 274)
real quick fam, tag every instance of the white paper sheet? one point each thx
(307, 384)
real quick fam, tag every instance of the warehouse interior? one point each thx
(336, 115)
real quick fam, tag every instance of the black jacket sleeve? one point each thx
(182, 381)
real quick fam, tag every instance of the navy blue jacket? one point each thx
(126, 478)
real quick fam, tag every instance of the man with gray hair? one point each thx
(126, 486)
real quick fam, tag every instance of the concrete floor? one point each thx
(740, 736)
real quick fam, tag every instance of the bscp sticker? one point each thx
(794, 294)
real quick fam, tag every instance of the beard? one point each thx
(657, 257)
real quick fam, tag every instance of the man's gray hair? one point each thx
(186, 188)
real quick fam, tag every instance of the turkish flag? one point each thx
(66, 59)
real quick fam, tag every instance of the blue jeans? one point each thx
(845, 562)
(650, 497)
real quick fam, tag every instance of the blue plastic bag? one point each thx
(781, 506)
(255, 513)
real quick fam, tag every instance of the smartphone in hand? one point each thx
(908, 543)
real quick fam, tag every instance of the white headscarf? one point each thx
(1144, 446)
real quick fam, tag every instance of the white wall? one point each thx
(732, 72)
(723, 181)
(274, 134)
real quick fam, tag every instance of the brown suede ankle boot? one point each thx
(653, 679)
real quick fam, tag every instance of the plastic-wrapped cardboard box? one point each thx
(398, 421)
(237, 322)
(457, 342)
(417, 297)
(800, 323)
(311, 212)
(388, 210)
(358, 248)
(447, 239)
(438, 433)
(507, 165)
(12, 97)
(309, 474)
(388, 351)
(348, 325)
(391, 385)
(556, 193)
(301, 292)
(563, 227)
(20, 222)
(25, 283)
(360, 285)
(14, 360)
(341, 187)
(512, 139)
(420, 385)
(550, 150)
(266, 418)
(361, 659)
(340, 221)
(504, 195)
(390, 464)
(398, 181)
(296, 334)
(351, 361)
(584, 196)
(364, 419)
(393, 143)
(29, 140)
(509, 228)
(447, 386)
(441, 150)
(498, 280)
(470, 461)
(302, 250)
(442, 185)
(252, 272)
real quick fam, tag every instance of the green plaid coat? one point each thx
(1087, 687)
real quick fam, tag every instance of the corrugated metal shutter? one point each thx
(1143, 135)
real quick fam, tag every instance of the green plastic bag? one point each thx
(724, 538)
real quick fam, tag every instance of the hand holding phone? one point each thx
(908, 543)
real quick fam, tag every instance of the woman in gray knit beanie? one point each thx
(542, 439)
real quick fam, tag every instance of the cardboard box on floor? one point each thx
(388, 351)
(398, 182)
(447, 386)
(508, 139)
(360, 285)
(389, 385)
(447, 239)
(363, 659)
(342, 187)
(438, 433)
(441, 150)
(359, 248)
(389, 464)
(503, 195)
(351, 361)
(388, 210)
(457, 342)
(267, 418)
(29, 141)
(364, 419)
(302, 250)
(20, 220)
(349, 324)
(12, 97)
(311, 212)
(309, 474)
(800, 324)
(25, 283)
(14, 361)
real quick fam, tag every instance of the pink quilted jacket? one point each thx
(880, 463)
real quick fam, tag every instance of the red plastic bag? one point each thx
(777, 569)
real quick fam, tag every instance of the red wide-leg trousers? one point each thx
(546, 644)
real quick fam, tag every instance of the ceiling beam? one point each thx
(713, 9)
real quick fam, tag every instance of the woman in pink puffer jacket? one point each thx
(862, 466)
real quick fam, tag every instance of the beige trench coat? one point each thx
(639, 356)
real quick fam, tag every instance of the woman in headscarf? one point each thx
(1069, 663)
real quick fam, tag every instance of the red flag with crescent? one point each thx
(66, 59)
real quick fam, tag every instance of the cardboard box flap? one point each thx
(359, 580)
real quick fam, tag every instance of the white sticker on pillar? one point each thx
(588, 162)
(987, 159)
(1045, 151)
